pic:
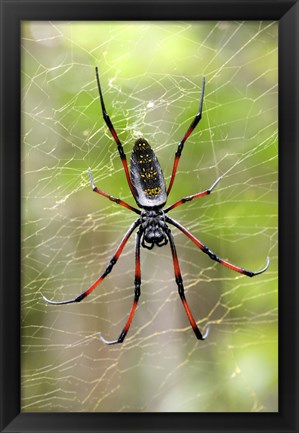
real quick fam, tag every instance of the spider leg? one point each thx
(191, 197)
(137, 283)
(110, 197)
(179, 282)
(187, 134)
(114, 134)
(212, 255)
(105, 273)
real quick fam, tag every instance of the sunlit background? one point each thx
(151, 75)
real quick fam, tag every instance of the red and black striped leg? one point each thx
(110, 197)
(105, 273)
(179, 281)
(114, 134)
(191, 197)
(137, 282)
(188, 133)
(212, 255)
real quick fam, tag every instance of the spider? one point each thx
(147, 185)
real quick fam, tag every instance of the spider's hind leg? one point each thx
(110, 197)
(193, 125)
(113, 133)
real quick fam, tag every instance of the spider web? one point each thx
(151, 77)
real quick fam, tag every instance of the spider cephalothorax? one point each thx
(147, 185)
(153, 228)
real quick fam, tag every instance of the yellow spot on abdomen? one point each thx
(152, 191)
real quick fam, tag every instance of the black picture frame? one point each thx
(12, 13)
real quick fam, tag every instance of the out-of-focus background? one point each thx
(151, 75)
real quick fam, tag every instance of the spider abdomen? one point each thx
(147, 176)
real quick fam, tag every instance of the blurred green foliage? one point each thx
(151, 76)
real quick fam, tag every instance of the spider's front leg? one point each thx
(212, 255)
(107, 271)
(137, 283)
(179, 281)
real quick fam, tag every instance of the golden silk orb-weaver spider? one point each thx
(148, 187)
